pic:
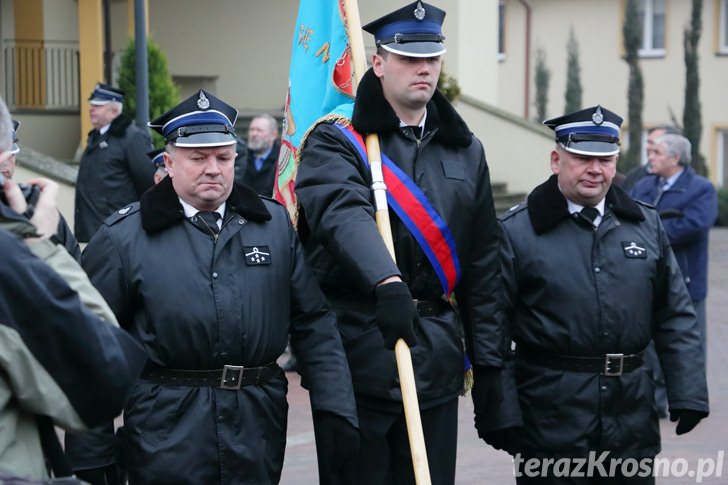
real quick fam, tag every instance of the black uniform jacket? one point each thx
(195, 303)
(114, 171)
(349, 256)
(572, 290)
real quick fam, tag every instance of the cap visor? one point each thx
(202, 140)
(99, 102)
(595, 148)
(15, 149)
(416, 49)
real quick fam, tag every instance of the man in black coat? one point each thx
(590, 279)
(212, 280)
(453, 249)
(115, 169)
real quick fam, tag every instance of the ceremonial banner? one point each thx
(320, 84)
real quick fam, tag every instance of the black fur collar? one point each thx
(160, 207)
(373, 114)
(547, 205)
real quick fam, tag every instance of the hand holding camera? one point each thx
(36, 200)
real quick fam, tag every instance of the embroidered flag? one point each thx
(320, 84)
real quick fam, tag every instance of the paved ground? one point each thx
(480, 464)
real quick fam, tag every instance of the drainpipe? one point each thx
(527, 83)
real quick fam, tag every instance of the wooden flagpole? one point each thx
(401, 350)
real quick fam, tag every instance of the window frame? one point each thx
(501, 55)
(648, 23)
(723, 27)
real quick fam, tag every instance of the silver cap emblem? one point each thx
(598, 117)
(203, 103)
(419, 11)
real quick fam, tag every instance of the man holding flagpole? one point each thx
(445, 241)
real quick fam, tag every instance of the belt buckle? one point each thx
(232, 377)
(609, 360)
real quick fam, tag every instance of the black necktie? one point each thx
(590, 213)
(210, 219)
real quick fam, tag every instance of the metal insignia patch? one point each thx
(419, 11)
(124, 210)
(203, 103)
(634, 250)
(598, 117)
(255, 255)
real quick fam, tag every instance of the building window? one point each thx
(652, 18)
(722, 157)
(723, 20)
(501, 30)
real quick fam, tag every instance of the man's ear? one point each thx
(168, 163)
(555, 160)
(377, 64)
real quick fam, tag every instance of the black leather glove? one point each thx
(396, 313)
(337, 448)
(506, 439)
(686, 419)
(107, 475)
(487, 389)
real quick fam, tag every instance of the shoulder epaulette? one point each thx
(122, 213)
(513, 211)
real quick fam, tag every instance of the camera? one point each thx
(31, 193)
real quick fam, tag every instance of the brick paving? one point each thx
(478, 463)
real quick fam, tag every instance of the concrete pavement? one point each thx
(478, 463)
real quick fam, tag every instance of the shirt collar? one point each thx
(104, 128)
(669, 182)
(421, 124)
(574, 207)
(191, 211)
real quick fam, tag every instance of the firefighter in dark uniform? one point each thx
(590, 279)
(114, 169)
(212, 280)
(444, 169)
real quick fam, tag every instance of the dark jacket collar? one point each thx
(683, 181)
(547, 205)
(160, 207)
(118, 126)
(373, 114)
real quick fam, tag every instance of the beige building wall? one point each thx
(604, 74)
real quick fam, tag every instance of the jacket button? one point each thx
(241, 222)
(220, 419)
(214, 275)
(597, 269)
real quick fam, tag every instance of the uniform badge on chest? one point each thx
(634, 250)
(255, 255)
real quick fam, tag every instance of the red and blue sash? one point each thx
(415, 211)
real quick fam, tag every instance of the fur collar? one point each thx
(373, 114)
(160, 207)
(547, 205)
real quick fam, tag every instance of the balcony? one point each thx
(41, 75)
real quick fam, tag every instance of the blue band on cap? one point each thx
(604, 129)
(196, 118)
(104, 95)
(409, 27)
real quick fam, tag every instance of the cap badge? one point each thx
(598, 117)
(419, 11)
(203, 103)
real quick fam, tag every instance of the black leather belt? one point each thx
(610, 365)
(231, 377)
(428, 308)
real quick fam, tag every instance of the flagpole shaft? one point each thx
(401, 350)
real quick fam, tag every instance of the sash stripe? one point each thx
(421, 219)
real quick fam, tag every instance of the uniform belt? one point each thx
(425, 308)
(610, 365)
(428, 308)
(231, 377)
